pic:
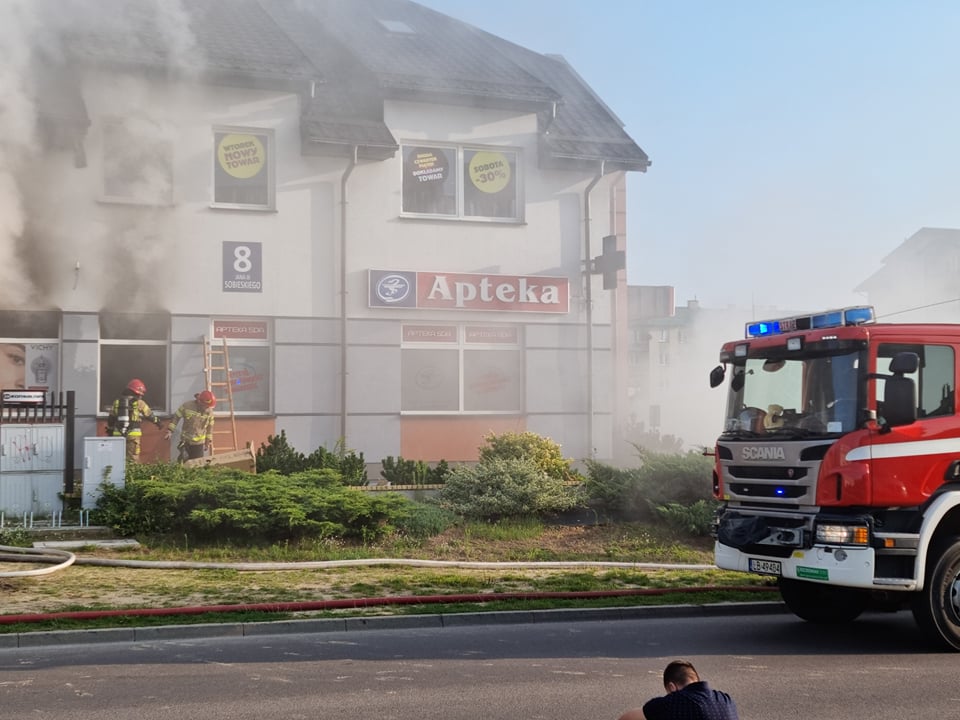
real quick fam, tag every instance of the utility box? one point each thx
(104, 459)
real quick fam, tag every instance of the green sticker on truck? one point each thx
(808, 573)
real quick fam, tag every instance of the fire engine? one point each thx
(838, 466)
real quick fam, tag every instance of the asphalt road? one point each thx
(775, 666)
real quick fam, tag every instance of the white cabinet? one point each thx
(32, 462)
(104, 459)
(24, 448)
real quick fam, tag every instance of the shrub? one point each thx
(500, 487)
(226, 504)
(543, 452)
(662, 479)
(277, 454)
(420, 520)
(413, 472)
(351, 465)
(696, 519)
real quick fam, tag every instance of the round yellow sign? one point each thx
(241, 156)
(489, 171)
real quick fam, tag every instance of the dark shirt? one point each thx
(697, 701)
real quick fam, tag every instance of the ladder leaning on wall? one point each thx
(216, 371)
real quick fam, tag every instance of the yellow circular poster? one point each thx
(241, 156)
(489, 171)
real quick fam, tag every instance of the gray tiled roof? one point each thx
(234, 37)
(355, 54)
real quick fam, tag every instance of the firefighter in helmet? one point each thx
(127, 413)
(196, 435)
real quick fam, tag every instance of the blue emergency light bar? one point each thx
(831, 318)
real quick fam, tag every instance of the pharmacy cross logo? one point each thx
(393, 289)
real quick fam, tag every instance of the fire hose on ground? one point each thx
(61, 559)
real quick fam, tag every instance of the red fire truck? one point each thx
(839, 465)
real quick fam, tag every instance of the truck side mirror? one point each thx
(717, 375)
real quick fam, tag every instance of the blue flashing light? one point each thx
(858, 315)
(762, 329)
(780, 492)
(830, 319)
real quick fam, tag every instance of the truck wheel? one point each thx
(937, 608)
(824, 604)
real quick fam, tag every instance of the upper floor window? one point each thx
(137, 161)
(461, 182)
(243, 169)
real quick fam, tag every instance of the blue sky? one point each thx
(794, 144)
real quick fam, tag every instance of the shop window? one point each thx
(137, 162)
(243, 169)
(461, 182)
(248, 347)
(29, 351)
(461, 369)
(133, 345)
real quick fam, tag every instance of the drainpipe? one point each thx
(343, 294)
(588, 298)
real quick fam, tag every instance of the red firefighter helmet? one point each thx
(137, 387)
(206, 399)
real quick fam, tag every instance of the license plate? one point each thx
(764, 567)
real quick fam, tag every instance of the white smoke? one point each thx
(17, 142)
(41, 236)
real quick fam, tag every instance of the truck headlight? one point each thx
(843, 534)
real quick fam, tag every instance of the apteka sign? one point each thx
(468, 291)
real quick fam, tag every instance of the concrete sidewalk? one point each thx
(378, 622)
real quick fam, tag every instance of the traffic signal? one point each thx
(610, 262)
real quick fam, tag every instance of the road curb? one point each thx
(200, 631)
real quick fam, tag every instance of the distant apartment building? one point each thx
(918, 279)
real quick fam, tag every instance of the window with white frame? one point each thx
(248, 349)
(461, 182)
(134, 345)
(243, 168)
(461, 369)
(29, 350)
(137, 161)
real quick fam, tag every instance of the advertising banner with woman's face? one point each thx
(28, 366)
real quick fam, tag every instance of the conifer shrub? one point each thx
(224, 504)
(504, 487)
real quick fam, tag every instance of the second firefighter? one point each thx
(196, 434)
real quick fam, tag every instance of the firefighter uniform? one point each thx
(126, 416)
(197, 431)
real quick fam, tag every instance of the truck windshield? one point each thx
(795, 396)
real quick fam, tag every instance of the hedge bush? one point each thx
(504, 487)
(225, 504)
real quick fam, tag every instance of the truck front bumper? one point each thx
(832, 565)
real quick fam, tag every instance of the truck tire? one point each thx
(823, 604)
(937, 608)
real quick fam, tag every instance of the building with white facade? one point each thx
(385, 213)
